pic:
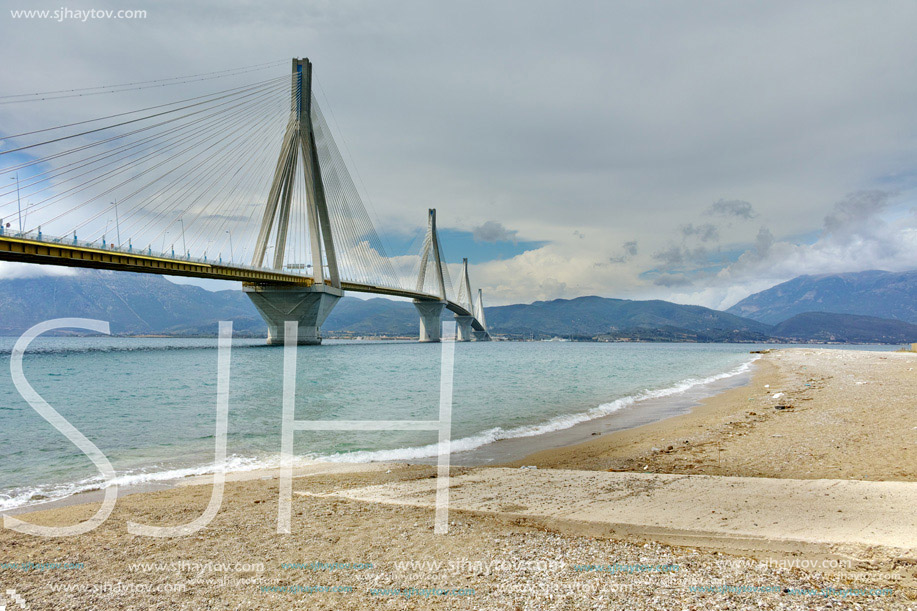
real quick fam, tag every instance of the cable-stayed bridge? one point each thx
(245, 183)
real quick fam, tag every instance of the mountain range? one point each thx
(132, 303)
(873, 293)
(592, 316)
(856, 308)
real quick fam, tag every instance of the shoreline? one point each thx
(839, 415)
(638, 410)
(641, 411)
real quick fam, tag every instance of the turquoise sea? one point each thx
(149, 404)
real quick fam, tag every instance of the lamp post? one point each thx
(231, 256)
(117, 223)
(183, 246)
(18, 202)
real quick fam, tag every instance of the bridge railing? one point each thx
(74, 241)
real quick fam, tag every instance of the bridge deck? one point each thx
(60, 253)
(26, 250)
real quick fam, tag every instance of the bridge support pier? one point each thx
(309, 306)
(431, 313)
(481, 336)
(463, 328)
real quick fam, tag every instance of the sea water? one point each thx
(149, 404)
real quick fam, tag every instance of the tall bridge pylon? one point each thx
(482, 334)
(299, 139)
(309, 306)
(463, 321)
(431, 311)
(433, 279)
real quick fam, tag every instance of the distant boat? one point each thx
(556, 339)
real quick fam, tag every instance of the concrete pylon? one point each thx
(308, 306)
(463, 298)
(463, 322)
(463, 328)
(431, 314)
(431, 311)
(432, 254)
(311, 305)
(481, 336)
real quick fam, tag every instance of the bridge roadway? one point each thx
(60, 253)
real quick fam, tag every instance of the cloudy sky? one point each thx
(690, 151)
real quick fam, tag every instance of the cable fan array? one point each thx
(180, 178)
(361, 255)
(186, 179)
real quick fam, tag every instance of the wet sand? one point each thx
(806, 414)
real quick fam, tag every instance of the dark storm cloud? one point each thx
(763, 242)
(628, 252)
(850, 214)
(678, 256)
(492, 231)
(732, 208)
(672, 281)
(705, 232)
(671, 256)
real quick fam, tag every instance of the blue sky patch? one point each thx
(457, 243)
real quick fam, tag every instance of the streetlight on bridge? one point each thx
(183, 245)
(18, 201)
(117, 222)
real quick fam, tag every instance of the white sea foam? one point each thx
(46, 493)
(555, 424)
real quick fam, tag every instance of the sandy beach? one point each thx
(806, 414)
(838, 421)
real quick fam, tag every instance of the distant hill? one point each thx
(891, 295)
(132, 303)
(668, 333)
(591, 316)
(846, 328)
(139, 304)
(148, 304)
(377, 316)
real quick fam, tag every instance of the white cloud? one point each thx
(13, 271)
(856, 236)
